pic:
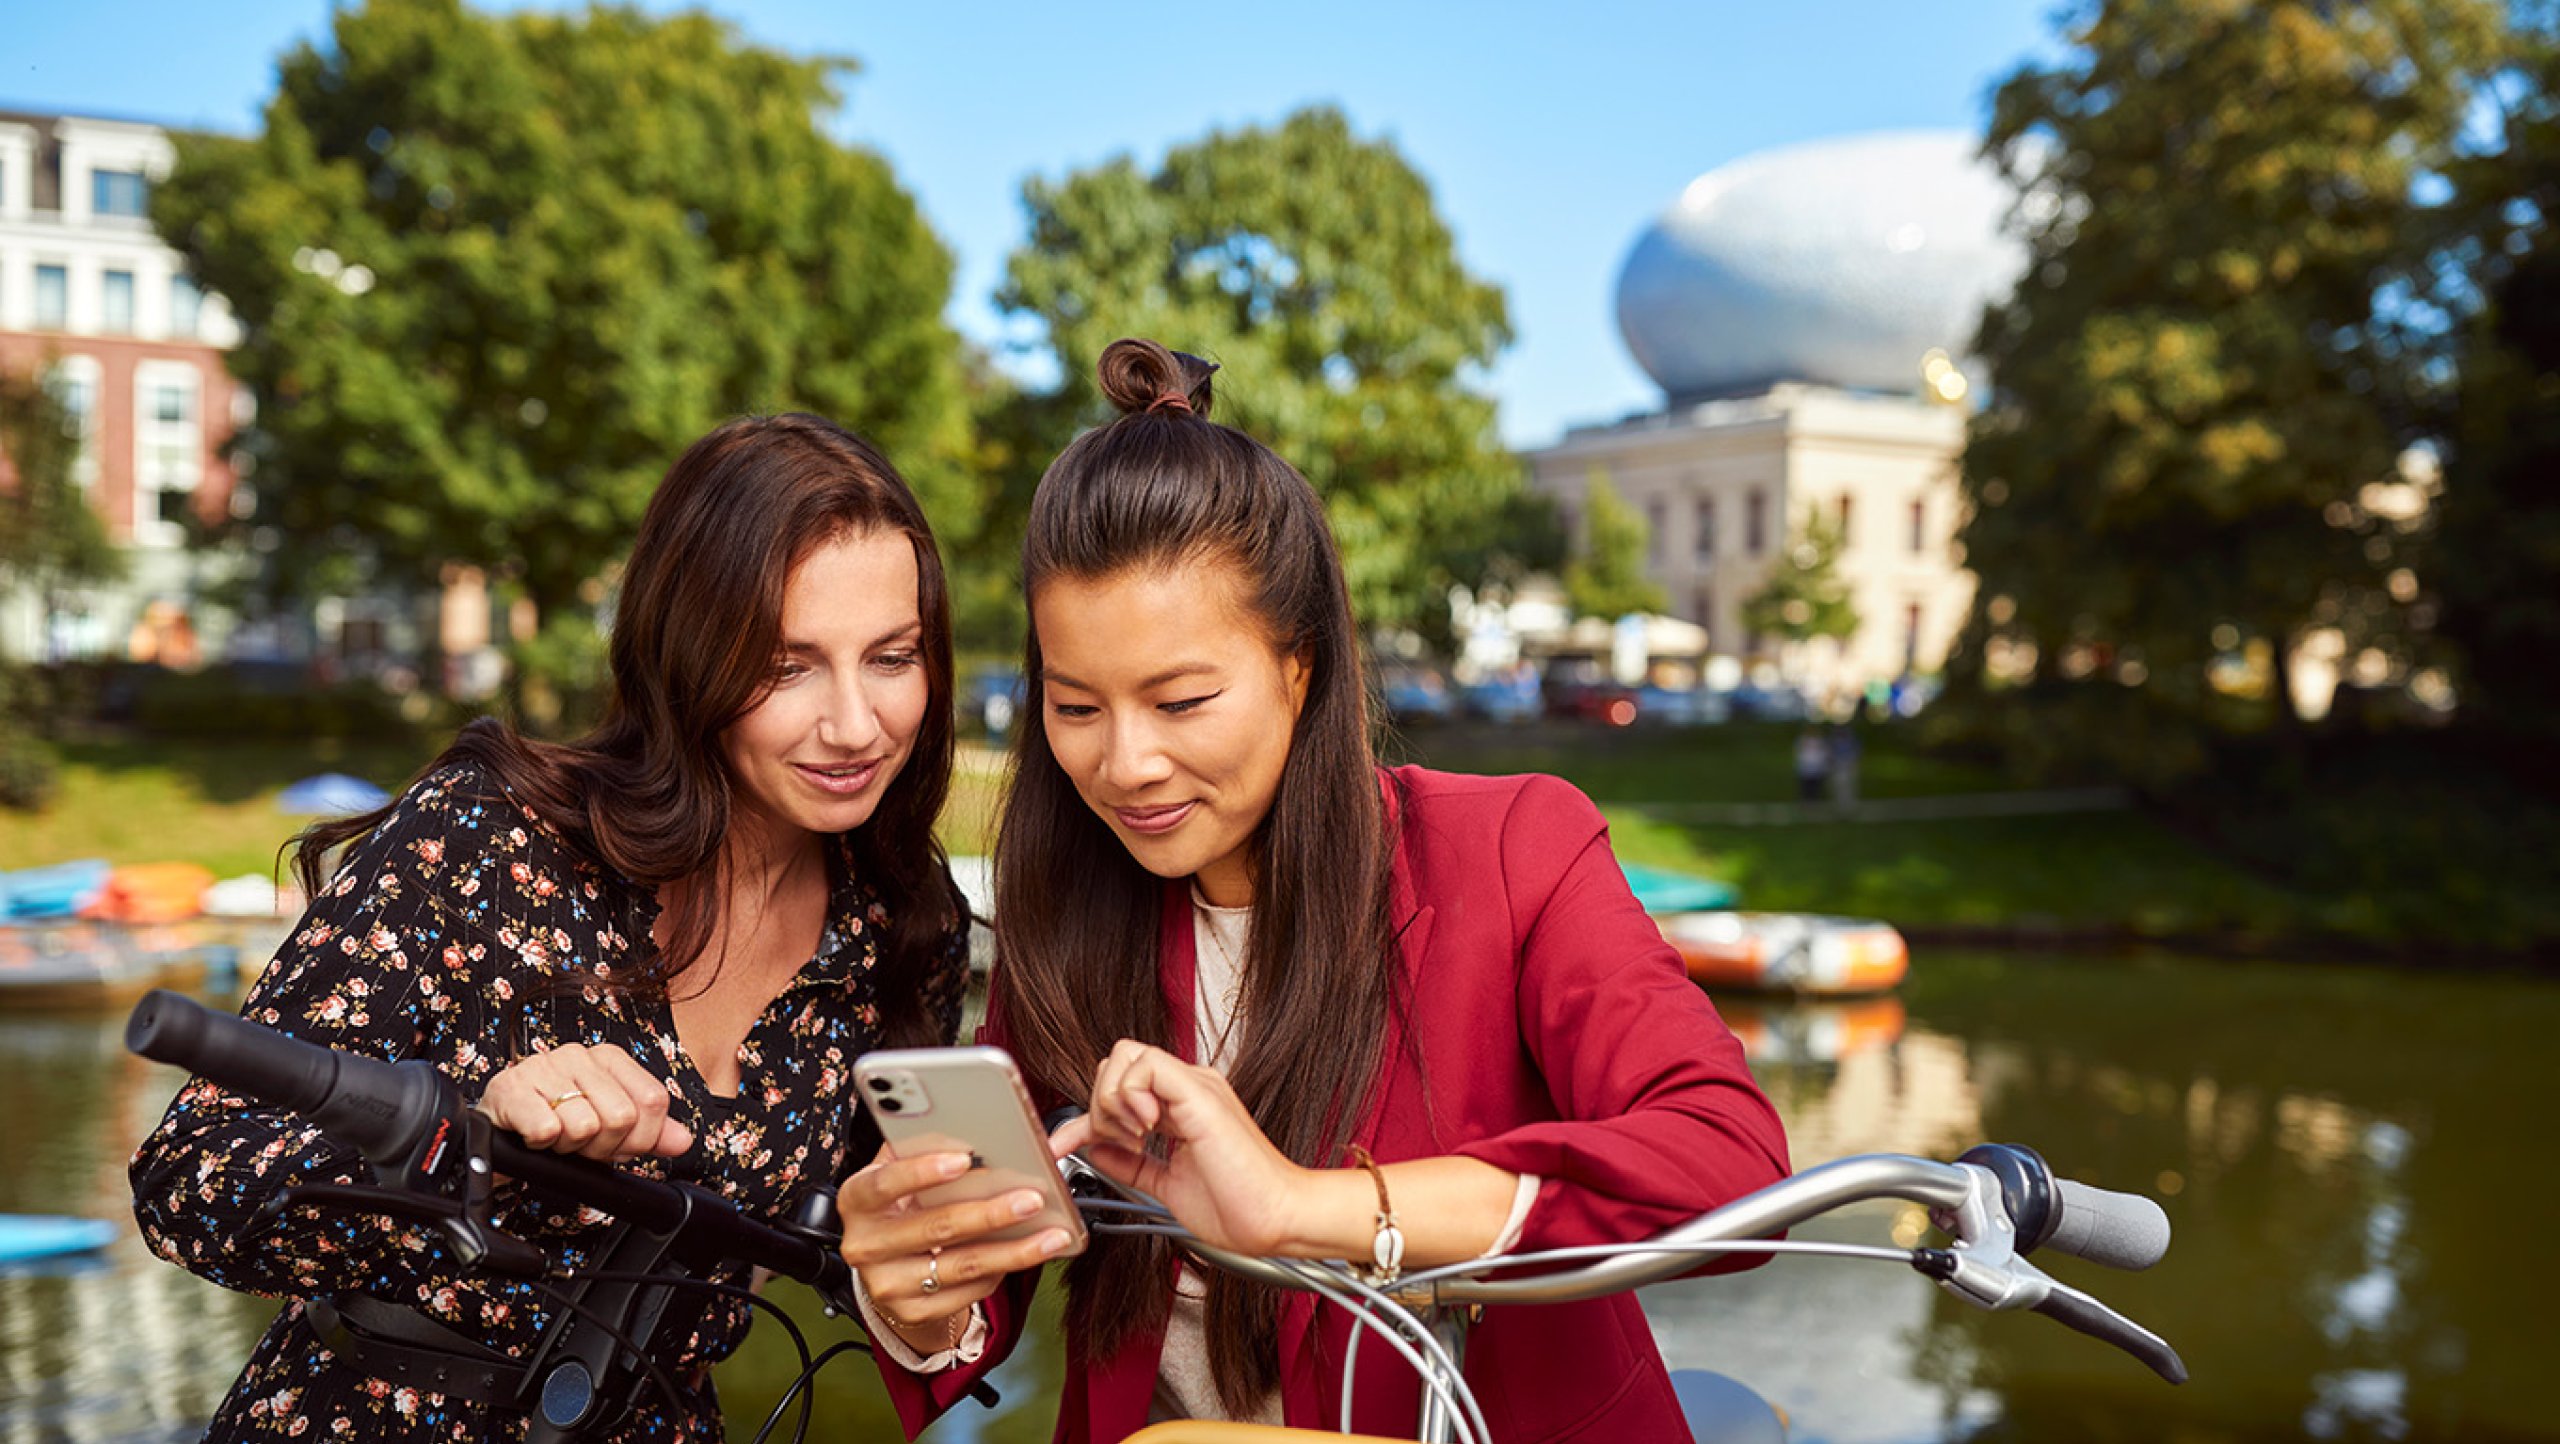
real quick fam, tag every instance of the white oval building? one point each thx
(1799, 309)
(1838, 262)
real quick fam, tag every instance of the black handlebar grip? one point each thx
(381, 1109)
(256, 1062)
(2120, 1230)
(2078, 1311)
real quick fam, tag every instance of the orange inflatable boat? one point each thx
(151, 892)
(1788, 952)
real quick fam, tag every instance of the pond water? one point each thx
(2353, 1160)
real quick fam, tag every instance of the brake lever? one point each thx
(2014, 1283)
(2076, 1310)
(477, 1243)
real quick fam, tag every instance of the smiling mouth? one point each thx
(841, 779)
(1153, 819)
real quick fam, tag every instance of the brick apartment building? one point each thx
(96, 304)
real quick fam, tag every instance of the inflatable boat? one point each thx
(1804, 953)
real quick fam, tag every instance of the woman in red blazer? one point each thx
(1319, 1008)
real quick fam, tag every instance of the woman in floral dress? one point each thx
(663, 944)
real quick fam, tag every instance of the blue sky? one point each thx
(1551, 134)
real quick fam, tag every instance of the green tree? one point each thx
(50, 539)
(496, 272)
(2496, 563)
(2194, 379)
(1805, 597)
(1605, 577)
(1313, 265)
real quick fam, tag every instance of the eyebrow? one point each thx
(1169, 674)
(914, 630)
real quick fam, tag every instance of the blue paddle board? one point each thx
(30, 1236)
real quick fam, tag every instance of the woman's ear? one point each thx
(1297, 667)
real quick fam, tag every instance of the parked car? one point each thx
(1416, 695)
(1769, 704)
(1681, 706)
(992, 697)
(1606, 703)
(1504, 699)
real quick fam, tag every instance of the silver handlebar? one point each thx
(1781, 1205)
(1986, 1266)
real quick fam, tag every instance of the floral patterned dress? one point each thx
(461, 931)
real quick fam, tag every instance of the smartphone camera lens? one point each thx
(892, 1105)
(882, 1085)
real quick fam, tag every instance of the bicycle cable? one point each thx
(809, 1366)
(802, 1387)
(1701, 1246)
(1361, 1301)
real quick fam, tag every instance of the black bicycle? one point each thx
(437, 1161)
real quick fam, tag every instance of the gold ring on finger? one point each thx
(559, 1098)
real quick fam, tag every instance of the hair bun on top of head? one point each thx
(1140, 377)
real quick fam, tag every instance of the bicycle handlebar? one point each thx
(392, 1114)
(1780, 1206)
(2000, 1201)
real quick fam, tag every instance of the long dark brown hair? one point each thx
(695, 633)
(1078, 919)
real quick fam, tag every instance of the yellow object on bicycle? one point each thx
(1219, 1431)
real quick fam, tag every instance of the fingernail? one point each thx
(1025, 1204)
(1053, 1241)
(952, 1165)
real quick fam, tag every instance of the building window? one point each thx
(1919, 527)
(1657, 520)
(115, 298)
(53, 298)
(1706, 538)
(1755, 522)
(119, 193)
(74, 384)
(168, 450)
(1911, 637)
(1704, 613)
(186, 307)
(1847, 502)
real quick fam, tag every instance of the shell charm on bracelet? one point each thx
(1387, 1249)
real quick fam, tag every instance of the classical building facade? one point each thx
(93, 302)
(1723, 485)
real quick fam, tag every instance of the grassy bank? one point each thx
(2304, 884)
(148, 800)
(2424, 861)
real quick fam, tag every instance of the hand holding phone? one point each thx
(970, 1101)
(963, 1193)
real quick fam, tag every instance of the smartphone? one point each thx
(969, 1100)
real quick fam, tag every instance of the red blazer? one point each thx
(1561, 1038)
